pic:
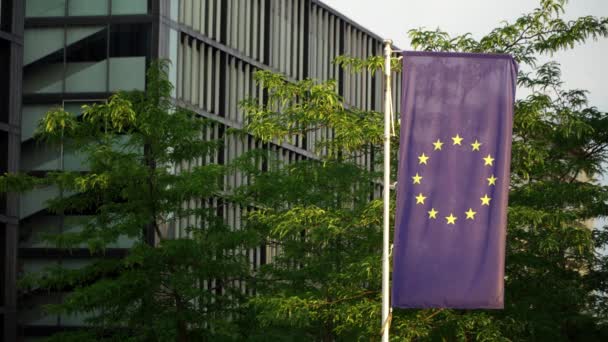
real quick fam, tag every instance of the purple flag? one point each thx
(454, 158)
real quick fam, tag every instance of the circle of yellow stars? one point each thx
(423, 159)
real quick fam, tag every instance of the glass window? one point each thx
(129, 46)
(6, 14)
(87, 7)
(129, 40)
(43, 60)
(5, 68)
(86, 56)
(44, 8)
(129, 7)
(30, 116)
(3, 166)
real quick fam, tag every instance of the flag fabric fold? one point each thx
(453, 178)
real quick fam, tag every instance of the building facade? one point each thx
(11, 52)
(66, 53)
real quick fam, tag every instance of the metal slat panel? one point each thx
(187, 70)
(255, 13)
(263, 19)
(303, 35)
(319, 56)
(364, 89)
(216, 81)
(295, 34)
(281, 44)
(241, 92)
(357, 88)
(201, 26)
(182, 6)
(187, 12)
(331, 47)
(196, 15)
(247, 88)
(247, 27)
(234, 24)
(228, 22)
(288, 37)
(202, 77)
(214, 17)
(180, 67)
(312, 67)
(218, 18)
(242, 29)
(210, 80)
(274, 34)
(232, 84)
(347, 51)
(210, 19)
(195, 78)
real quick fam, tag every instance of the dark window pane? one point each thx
(86, 55)
(43, 60)
(129, 40)
(129, 47)
(5, 67)
(3, 167)
(2, 266)
(86, 44)
(6, 9)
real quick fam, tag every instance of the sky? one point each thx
(584, 67)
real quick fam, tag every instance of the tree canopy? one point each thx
(555, 271)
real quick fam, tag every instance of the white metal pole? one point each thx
(386, 192)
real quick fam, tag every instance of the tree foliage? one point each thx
(146, 179)
(324, 284)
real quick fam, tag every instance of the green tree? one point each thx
(146, 177)
(324, 284)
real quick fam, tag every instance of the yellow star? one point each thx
(451, 219)
(417, 178)
(492, 180)
(485, 200)
(433, 213)
(422, 158)
(420, 199)
(488, 160)
(437, 145)
(476, 145)
(457, 140)
(470, 214)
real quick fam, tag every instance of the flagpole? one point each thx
(386, 193)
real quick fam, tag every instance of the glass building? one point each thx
(66, 53)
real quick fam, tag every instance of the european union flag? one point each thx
(453, 182)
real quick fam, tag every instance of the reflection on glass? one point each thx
(129, 7)
(44, 8)
(128, 50)
(43, 60)
(86, 69)
(87, 7)
(30, 116)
